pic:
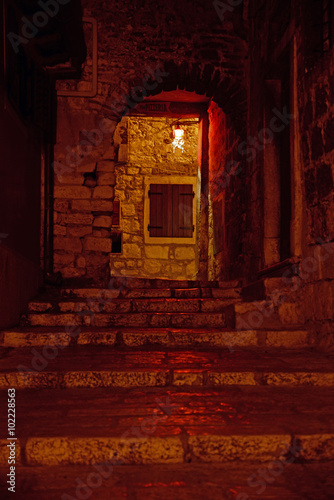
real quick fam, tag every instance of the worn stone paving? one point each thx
(166, 337)
(84, 426)
(162, 376)
(268, 481)
(96, 365)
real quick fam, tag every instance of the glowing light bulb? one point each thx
(178, 134)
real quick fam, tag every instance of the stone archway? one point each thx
(221, 88)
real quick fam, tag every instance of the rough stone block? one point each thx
(109, 154)
(61, 205)
(133, 170)
(103, 192)
(68, 244)
(152, 267)
(97, 260)
(105, 166)
(63, 259)
(102, 221)
(79, 231)
(101, 233)
(82, 219)
(156, 252)
(128, 210)
(87, 168)
(98, 244)
(70, 180)
(59, 230)
(184, 253)
(81, 261)
(106, 179)
(132, 251)
(72, 192)
(92, 205)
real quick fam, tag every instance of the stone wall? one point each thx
(151, 158)
(175, 44)
(312, 162)
(227, 229)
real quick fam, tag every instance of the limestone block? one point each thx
(156, 252)
(131, 226)
(291, 313)
(109, 154)
(133, 171)
(128, 210)
(102, 221)
(61, 205)
(132, 250)
(67, 244)
(101, 233)
(63, 259)
(72, 272)
(59, 230)
(81, 261)
(184, 253)
(87, 168)
(123, 153)
(72, 192)
(191, 269)
(118, 264)
(83, 219)
(79, 231)
(103, 192)
(98, 244)
(96, 260)
(106, 179)
(92, 205)
(70, 179)
(152, 267)
(105, 166)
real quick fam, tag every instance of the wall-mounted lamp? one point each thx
(178, 134)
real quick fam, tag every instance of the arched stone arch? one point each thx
(226, 90)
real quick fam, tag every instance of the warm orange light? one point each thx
(178, 132)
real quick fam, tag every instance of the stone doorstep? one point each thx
(39, 336)
(186, 481)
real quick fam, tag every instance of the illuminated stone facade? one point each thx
(146, 145)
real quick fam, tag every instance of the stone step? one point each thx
(172, 426)
(224, 319)
(104, 366)
(121, 292)
(131, 305)
(167, 337)
(265, 314)
(140, 283)
(190, 481)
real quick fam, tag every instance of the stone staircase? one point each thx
(167, 389)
